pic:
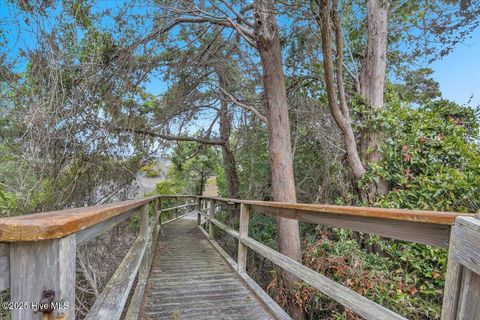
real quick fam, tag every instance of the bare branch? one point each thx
(245, 106)
(147, 132)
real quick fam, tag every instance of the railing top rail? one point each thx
(422, 216)
(58, 224)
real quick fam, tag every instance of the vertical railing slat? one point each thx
(243, 234)
(43, 265)
(211, 216)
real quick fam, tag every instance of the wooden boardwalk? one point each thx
(189, 279)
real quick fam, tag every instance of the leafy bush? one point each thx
(432, 157)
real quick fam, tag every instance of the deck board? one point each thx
(189, 279)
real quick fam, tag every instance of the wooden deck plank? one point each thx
(190, 280)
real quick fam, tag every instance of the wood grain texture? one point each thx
(137, 297)
(469, 304)
(348, 298)
(189, 279)
(453, 286)
(467, 240)
(110, 303)
(230, 231)
(435, 217)
(43, 265)
(94, 231)
(4, 266)
(243, 234)
(211, 214)
(266, 300)
(414, 231)
(462, 285)
(58, 224)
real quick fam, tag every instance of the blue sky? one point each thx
(459, 72)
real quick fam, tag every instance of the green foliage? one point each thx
(432, 157)
(8, 203)
(169, 186)
(419, 87)
(150, 170)
(253, 165)
(191, 166)
(400, 280)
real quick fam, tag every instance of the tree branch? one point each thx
(214, 142)
(234, 100)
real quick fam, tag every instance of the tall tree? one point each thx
(262, 34)
(280, 149)
(372, 81)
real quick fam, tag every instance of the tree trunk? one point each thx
(372, 80)
(229, 165)
(280, 149)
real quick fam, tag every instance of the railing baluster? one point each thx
(243, 234)
(156, 212)
(143, 221)
(176, 205)
(199, 207)
(211, 216)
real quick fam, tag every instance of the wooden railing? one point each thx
(38, 253)
(459, 232)
(38, 256)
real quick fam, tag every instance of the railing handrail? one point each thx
(61, 223)
(422, 216)
(427, 227)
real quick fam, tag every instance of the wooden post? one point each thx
(243, 234)
(156, 212)
(211, 215)
(160, 206)
(462, 283)
(199, 207)
(176, 205)
(143, 221)
(36, 266)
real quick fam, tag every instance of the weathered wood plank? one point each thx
(230, 231)
(43, 265)
(110, 303)
(58, 224)
(420, 216)
(243, 234)
(4, 266)
(199, 216)
(266, 300)
(189, 279)
(102, 227)
(415, 231)
(177, 207)
(137, 297)
(220, 250)
(143, 227)
(462, 285)
(467, 240)
(276, 310)
(211, 216)
(348, 298)
(469, 304)
(453, 285)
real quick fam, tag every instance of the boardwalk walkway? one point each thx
(190, 280)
